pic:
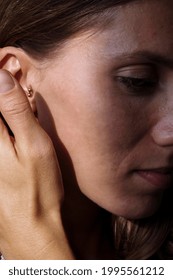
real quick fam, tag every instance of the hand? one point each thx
(31, 189)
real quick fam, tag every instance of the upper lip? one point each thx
(163, 170)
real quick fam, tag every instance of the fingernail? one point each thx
(6, 81)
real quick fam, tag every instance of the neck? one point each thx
(88, 226)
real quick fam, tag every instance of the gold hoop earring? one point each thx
(29, 92)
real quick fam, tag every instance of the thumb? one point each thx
(15, 107)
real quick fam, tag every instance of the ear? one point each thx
(21, 66)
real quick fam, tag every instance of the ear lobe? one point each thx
(31, 98)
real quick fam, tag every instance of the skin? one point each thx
(36, 232)
(109, 130)
(103, 130)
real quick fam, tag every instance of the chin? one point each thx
(131, 215)
(135, 211)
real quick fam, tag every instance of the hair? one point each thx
(147, 238)
(40, 27)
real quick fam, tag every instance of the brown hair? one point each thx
(39, 27)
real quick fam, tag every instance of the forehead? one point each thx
(144, 25)
(139, 28)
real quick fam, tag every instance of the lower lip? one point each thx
(157, 179)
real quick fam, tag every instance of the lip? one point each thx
(160, 177)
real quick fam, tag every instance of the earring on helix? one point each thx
(29, 92)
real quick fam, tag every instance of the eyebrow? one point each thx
(151, 56)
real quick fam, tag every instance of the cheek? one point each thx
(98, 130)
(90, 119)
(96, 124)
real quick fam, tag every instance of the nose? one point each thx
(162, 132)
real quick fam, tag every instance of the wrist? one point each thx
(42, 240)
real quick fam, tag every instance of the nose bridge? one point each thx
(162, 131)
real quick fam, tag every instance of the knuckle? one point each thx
(46, 148)
(15, 107)
(40, 149)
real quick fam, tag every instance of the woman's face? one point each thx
(111, 97)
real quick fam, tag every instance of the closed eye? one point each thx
(137, 85)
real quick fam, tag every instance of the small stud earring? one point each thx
(29, 92)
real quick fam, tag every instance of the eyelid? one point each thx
(137, 80)
(137, 71)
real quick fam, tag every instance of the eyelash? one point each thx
(137, 85)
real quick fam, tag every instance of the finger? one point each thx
(5, 138)
(15, 108)
(5, 126)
